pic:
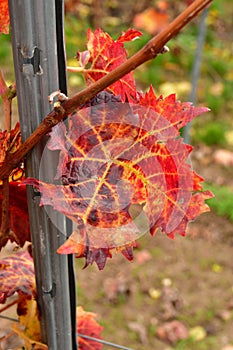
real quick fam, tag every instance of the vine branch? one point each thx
(154, 47)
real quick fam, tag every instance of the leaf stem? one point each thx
(150, 50)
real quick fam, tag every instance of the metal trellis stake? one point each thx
(39, 63)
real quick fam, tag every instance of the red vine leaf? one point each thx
(87, 325)
(14, 211)
(4, 17)
(17, 276)
(104, 55)
(124, 172)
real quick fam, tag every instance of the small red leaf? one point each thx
(104, 55)
(129, 35)
(4, 17)
(87, 325)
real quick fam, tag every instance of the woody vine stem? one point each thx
(154, 47)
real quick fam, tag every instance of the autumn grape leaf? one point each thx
(115, 158)
(105, 54)
(15, 218)
(17, 276)
(4, 17)
(87, 325)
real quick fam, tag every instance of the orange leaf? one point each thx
(152, 20)
(4, 17)
(87, 325)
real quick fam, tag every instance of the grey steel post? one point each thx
(34, 41)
